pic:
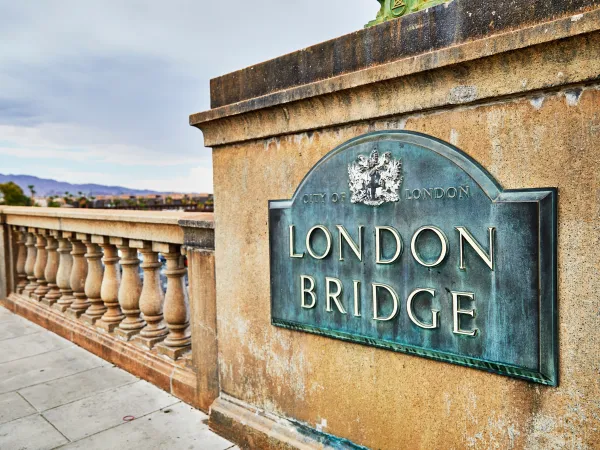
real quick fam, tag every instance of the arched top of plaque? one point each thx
(376, 175)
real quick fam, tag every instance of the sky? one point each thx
(100, 92)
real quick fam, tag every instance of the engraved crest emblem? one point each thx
(375, 180)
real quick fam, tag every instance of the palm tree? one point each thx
(33, 192)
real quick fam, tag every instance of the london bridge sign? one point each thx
(401, 241)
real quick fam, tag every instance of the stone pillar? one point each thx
(63, 277)
(177, 314)
(50, 274)
(152, 297)
(109, 291)
(129, 291)
(78, 276)
(199, 247)
(30, 263)
(21, 257)
(93, 283)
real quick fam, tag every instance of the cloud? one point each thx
(112, 83)
(73, 143)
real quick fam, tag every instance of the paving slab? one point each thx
(177, 426)
(36, 369)
(65, 390)
(107, 409)
(5, 314)
(57, 395)
(13, 406)
(30, 345)
(30, 433)
(12, 327)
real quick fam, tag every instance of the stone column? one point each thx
(78, 276)
(109, 291)
(152, 297)
(203, 311)
(129, 291)
(53, 293)
(93, 283)
(40, 265)
(21, 257)
(177, 314)
(63, 277)
(30, 263)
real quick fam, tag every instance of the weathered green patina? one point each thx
(392, 9)
(401, 241)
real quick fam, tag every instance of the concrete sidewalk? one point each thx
(54, 394)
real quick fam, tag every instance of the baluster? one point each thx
(109, 291)
(152, 297)
(93, 282)
(40, 265)
(30, 263)
(65, 267)
(21, 257)
(78, 276)
(176, 310)
(129, 291)
(51, 270)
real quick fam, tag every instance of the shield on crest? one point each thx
(398, 7)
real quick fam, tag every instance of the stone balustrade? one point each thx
(119, 278)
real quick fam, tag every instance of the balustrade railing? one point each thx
(121, 274)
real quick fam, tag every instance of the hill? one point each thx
(45, 187)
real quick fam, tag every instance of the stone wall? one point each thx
(526, 105)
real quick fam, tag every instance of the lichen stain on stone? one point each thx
(269, 143)
(462, 94)
(573, 96)
(498, 434)
(454, 134)
(537, 102)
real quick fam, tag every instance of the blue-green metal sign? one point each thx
(401, 241)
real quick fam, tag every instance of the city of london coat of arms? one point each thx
(375, 180)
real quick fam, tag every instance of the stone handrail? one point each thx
(98, 273)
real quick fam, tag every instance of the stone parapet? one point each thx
(80, 274)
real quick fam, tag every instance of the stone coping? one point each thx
(152, 226)
(438, 27)
(201, 220)
(578, 24)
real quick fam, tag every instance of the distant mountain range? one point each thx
(46, 187)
